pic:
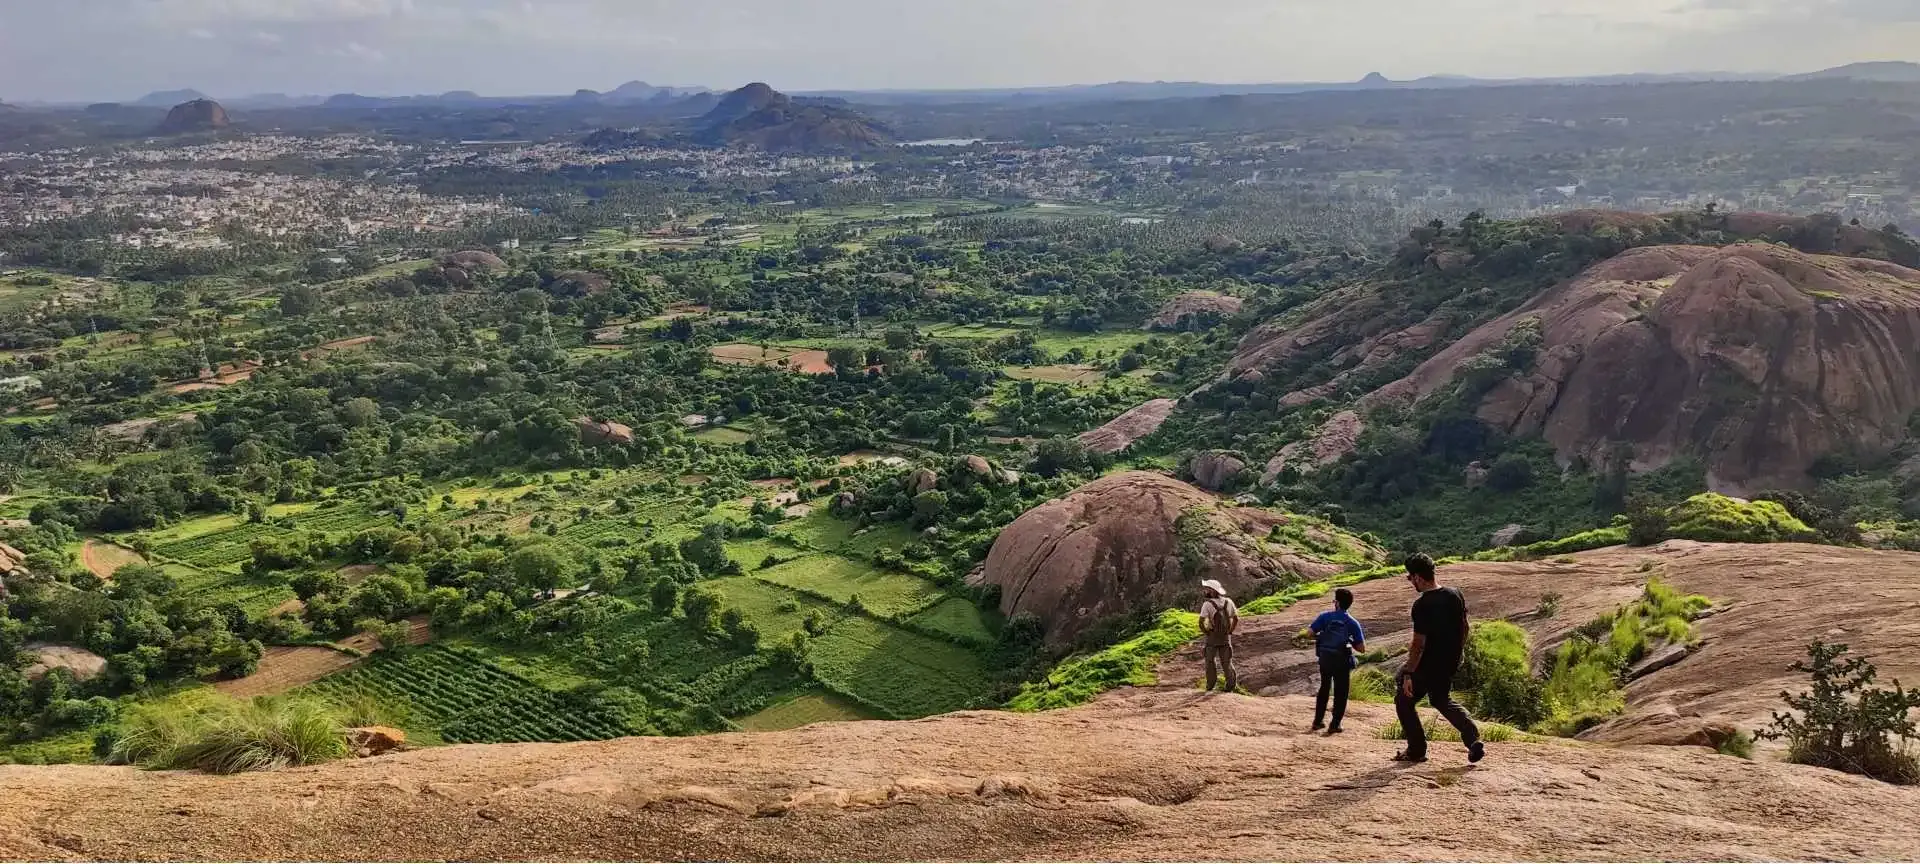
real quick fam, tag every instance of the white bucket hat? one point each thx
(1214, 586)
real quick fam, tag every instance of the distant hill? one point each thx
(200, 115)
(168, 98)
(759, 116)
(1895, 71)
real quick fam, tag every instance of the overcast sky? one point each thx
(120, 49)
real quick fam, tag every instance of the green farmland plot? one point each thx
(814, 706)
(470, 700)
(776, 612)
(840, 580)
(898, 672)
(958, 618)
(220, 548)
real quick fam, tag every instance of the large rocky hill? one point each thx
(760, 117)
(1762, 351)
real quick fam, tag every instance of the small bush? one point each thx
(1549, 605)
(1371, 685)
(1739, 744)
(1845, 723)
(1496, 668)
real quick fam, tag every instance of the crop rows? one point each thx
(221, 548)
(904, 674)
(473, 701)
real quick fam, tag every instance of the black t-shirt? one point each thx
(1440, 615)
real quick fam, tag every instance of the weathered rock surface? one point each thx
(1337, 437)
(82, 663)
(1215, 470)
(375, 740)
(1188, 310)
(1508, 535)
(596, 432)
(1119, 433)
(199, 115)
(978, 466)
(1773, 600)
(1143, 776)
(473, 260)
(922, 480)
(1115, 545)
(1756, 358)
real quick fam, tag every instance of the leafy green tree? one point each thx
(540, 567)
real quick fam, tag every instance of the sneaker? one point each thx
(1476, 751)
(1402, 756)
(1316, 727)
(1333, 730)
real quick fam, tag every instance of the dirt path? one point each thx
(103, 558)
(1777, 598)
(1155, 776)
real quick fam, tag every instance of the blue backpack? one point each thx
(1335, 637)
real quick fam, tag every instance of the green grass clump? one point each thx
(1498, 669)
(1438, 729)
(1583, 684)
(220, 735)
(1715, 518)
(1077, 680)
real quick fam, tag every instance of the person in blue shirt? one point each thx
(1336, 635)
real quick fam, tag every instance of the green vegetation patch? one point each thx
(776, 612)
(816, 706)
(843, 580)
(1077, 680)
(467, 699)
(1714, 518)
(957, 618)
(898, 673)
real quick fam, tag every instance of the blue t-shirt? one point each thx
(1335, 632)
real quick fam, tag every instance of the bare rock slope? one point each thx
(1773, 600)
(1136, 541)
(1755, 358)
(1179, 776)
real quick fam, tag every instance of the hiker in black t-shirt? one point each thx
(1439, 638)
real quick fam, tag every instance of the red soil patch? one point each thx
(809, 361)
(284, 667)
(102, 558)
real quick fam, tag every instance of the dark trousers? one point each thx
(1222, 655)
(1336, 672)
(1437, 689)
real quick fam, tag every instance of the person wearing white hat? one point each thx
(1218, 619)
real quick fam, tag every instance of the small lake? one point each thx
(944, 142)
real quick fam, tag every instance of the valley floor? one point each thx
(1138, 775)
